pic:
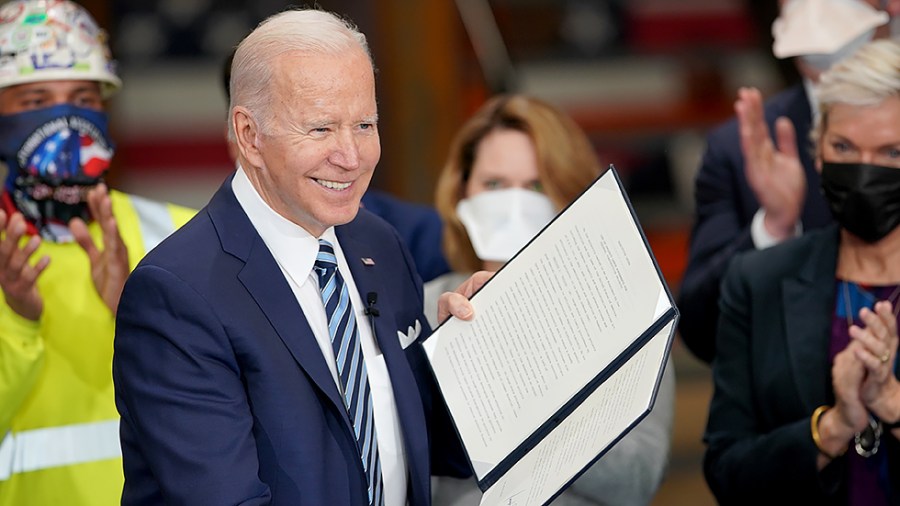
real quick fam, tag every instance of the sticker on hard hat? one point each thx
(49, 40)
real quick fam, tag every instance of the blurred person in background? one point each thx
(757, 185)
(806, 406)
(511, 168)
(68, 243)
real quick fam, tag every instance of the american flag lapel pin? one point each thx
(367, 261)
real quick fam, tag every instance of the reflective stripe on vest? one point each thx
(33, 450)
(155, 220)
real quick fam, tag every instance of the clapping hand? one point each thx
(109, 266)
(847, 376)
(774, 173)
(18, 277)
(876, 349)
(863, 377)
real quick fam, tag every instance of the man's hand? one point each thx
(457, 303)
(109, 267)
(775, 175)
(18, 278)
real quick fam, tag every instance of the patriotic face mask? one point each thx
(54, 156)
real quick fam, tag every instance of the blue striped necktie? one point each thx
(350, 365)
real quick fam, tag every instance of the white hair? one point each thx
(867, 78)
(309, 30)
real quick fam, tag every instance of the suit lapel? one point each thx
(797, 109)
(368, 278)
(807, 297)
(276, 299)
(266, 284)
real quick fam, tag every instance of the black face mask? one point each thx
(864, 199)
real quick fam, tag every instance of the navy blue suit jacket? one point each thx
(725, 206)
(224, 393)
(419, 226)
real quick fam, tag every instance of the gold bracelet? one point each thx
(814, 428)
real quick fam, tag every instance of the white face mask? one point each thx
(501, 222)
(823, 31)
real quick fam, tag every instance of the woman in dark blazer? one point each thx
(807, 402)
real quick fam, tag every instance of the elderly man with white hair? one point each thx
(270, 351)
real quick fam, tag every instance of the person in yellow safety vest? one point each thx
(67, 243)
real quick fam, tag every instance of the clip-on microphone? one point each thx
(371, 299)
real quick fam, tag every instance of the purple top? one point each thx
(867, 478)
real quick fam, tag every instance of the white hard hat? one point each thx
(51, 40)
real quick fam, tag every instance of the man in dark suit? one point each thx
(270, 353)
(419, 226)
(725, 208)
(750, 192)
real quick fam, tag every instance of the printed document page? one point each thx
(565, 308)
(588, 431)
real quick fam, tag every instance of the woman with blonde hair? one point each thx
(525, 144)
(806, 406)
(512, 166)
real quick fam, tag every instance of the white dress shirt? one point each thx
(295, 251)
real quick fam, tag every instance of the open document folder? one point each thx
(565, 354)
